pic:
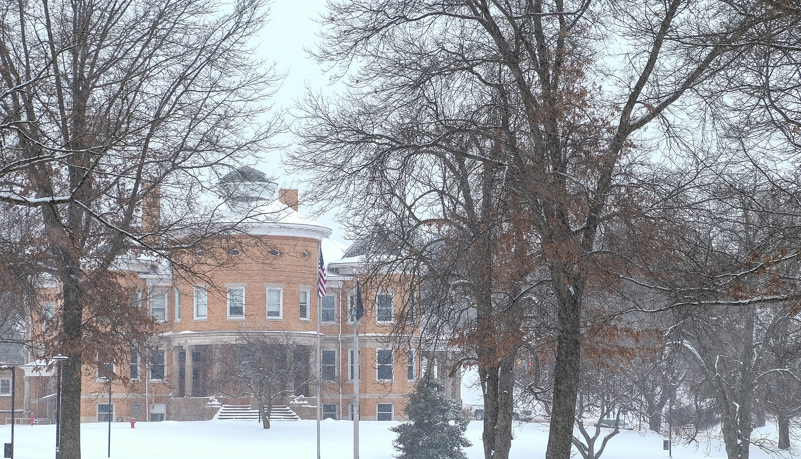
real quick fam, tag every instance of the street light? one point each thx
(59, 358)
(13, 421)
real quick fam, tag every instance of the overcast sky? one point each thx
(291, 28)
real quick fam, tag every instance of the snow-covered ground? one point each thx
(291, 440)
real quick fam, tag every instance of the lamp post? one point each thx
(59, 358)
(13, 421)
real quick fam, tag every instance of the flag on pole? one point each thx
(321, 277)
(359, 304)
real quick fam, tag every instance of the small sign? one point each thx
(8, 450)
(666, 445)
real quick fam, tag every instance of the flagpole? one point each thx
(320, 294)
(357, 365)
(356, 374)
(319, 376)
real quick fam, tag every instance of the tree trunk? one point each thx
(489, 379)
(70, 423)
(498, 383)
(567, 367)
(784, 431)
(265, 412)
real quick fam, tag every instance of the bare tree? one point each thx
(266, 368)
(557, 92)
(105, 105)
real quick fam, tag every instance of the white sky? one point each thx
(291, 28)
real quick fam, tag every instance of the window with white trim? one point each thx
(236, 302)
(136, 410)
(329, 364)
(383, 358)
(275, 299)
(410, 311)
(105, 412)
(158, 307)
(328, 308)
(201, 303)
(105, 371)
(383, 306)
(351, 410)
(410, 365)
(384, 411)
(351, 368)
(330, 411)
(134, 365)
(157, 365)
(351, 308)
(177, 305)
(5, 386)
(48, 313)
(304, 304)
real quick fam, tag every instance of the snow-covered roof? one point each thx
(249, 199)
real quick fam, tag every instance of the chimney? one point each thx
(289, 198)
(151, 210)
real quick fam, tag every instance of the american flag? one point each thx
(321, 277)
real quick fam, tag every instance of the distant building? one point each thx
(263, 286)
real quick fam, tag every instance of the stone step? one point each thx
(246, 413)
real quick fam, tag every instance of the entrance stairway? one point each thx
(246, 413)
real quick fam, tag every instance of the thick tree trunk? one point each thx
(498, 408)
(567, 367)
(489, 378)
(784, 431)
(70, 424)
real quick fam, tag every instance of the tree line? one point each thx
(605, 190)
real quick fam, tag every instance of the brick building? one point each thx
(262, 287)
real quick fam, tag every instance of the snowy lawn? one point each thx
(290, 440)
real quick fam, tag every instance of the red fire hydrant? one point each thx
(133, 421)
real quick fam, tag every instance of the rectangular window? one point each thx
(304, 304)
(384, 412)
(5, 386)
(136, 410)
(384, 311)
(274, 303)
(410, 363)
(329, 411)
(177, 305)
(105, 412)
(158, 412)
(236, 302)
(351, 362)
(105, 370)
(351, 308)
(350, 411)
(329, 365)
(410, 312)
(48, 313)
(134, 364)
(328, 309)
(158, 307)
(157, 364)
(384, 364)
(201, 302)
